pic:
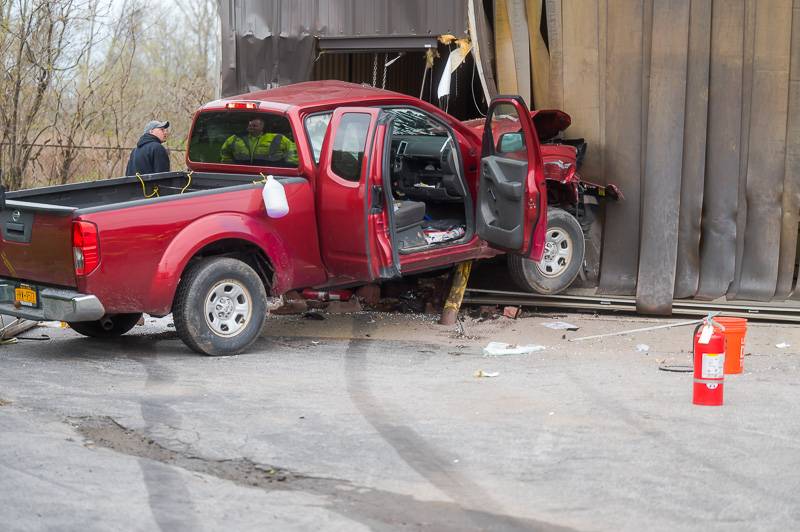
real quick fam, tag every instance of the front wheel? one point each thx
(564, 250)
(220, 306)
(110, 326)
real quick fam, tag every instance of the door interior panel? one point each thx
(501, 207)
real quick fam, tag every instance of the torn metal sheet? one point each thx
(483, 45)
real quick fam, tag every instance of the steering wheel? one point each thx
(446, 157)
(397, 163)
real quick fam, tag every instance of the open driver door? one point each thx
(512, 198)
(351, 203)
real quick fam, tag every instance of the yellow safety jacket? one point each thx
(264, 150)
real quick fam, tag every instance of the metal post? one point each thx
(453, 303)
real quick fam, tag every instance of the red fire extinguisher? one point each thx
(709, 364)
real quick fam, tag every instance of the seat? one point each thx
(408, 214)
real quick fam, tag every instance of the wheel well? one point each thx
(243, 250)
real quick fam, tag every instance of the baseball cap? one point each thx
(153, 124)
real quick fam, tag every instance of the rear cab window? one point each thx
(244, 138)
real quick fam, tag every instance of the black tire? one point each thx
(109, 327)
(220, 306)
(564, 252)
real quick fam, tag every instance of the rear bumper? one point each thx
(55, 304)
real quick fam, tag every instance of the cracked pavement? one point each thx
(376, 422)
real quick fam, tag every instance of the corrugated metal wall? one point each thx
(693, 107)
(273, 42)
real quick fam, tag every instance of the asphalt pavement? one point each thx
(376, 422)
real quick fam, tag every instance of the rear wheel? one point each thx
(110, 326)
(220, 306)
(564, 250)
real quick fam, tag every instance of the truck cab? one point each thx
(397, 183)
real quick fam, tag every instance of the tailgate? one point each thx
(36, 243)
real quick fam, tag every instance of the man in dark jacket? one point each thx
(149, 156)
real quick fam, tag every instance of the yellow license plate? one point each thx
(27, 296)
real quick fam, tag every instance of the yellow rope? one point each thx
(189, 176)
(144, 188)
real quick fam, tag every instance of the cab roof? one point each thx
(311, 94)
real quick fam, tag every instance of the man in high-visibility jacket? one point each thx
(257, 147)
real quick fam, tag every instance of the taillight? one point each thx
(85, 247)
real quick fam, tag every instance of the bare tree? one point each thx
(35, 44)
(78, 74)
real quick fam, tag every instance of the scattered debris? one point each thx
(292, 306)
(676, 368)
(344, 307)
(41, 337)
(488, 310)
(512, 312)
(643, 329)
(783, 345)
(369, 294)
(642, 348)
(480, 373)
(560, 326)
(314, 342)
(461, 333)
(494, 349)
(274, 303)
(4, 402)
(52, 324)
(313, 316)
(14, 327)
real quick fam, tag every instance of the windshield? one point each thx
(236, 137)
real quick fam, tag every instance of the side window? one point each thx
(316, 127)
(506, 130)
(348, 146)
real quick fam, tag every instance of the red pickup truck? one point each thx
(378, 185)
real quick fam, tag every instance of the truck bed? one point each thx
(36, 224)
(110, 192)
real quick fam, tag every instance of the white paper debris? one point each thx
(481, 373)
(783, 345)
(494, 349)
(560, 326)
(642, 348)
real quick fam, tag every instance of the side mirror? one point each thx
(510, 142)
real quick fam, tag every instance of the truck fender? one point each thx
(207, 230)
